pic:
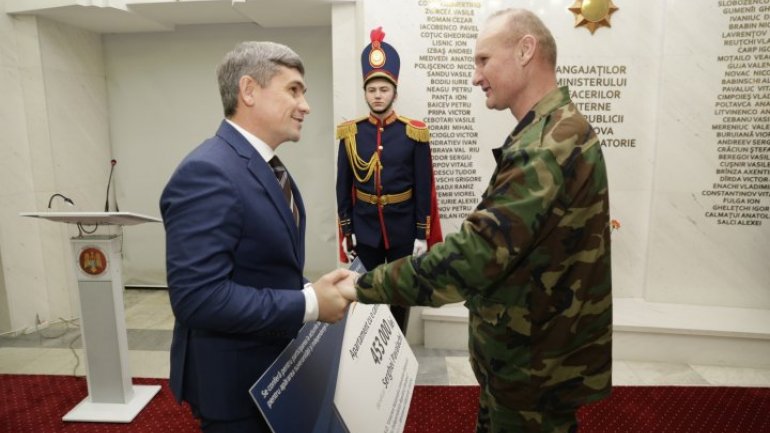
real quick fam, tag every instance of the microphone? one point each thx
(63, 197)
(109, 182)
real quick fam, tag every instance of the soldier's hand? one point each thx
(348, 246)
(420, 247)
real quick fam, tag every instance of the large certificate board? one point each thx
(377, 370)
(356, 376)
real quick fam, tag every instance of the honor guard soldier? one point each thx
(386, 199)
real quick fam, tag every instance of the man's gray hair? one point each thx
(259, 60)
(524, 22)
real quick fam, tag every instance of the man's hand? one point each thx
(349, 246)
(331, 304)
(420, 247)
(347, 286)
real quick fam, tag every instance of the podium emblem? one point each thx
(92, 261)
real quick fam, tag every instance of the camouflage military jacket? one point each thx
(532, 263)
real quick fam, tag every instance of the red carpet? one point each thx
(34, 403)
(37, 403)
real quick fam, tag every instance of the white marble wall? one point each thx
(56, 139)
(692, 259)
(20, 244)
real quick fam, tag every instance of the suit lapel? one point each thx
(266, 177)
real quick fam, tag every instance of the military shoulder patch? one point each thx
(416, 129)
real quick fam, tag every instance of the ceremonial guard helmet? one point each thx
(379, 59)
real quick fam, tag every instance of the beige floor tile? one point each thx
(13, 359)
(150, 315)
(18, 360)
(149, 363)
(159, 297)
(459, 371)
(623, 375)
(661, 373)
(734, 376)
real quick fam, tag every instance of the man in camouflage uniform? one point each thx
(532, 262)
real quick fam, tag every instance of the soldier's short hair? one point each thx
(260, 60)
(524, 22)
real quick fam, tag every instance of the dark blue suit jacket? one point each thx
(234, 265)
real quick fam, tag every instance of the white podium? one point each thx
(111, 395)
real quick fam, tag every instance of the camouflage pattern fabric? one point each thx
(532, 263)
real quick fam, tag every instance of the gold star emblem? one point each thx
(592, 13)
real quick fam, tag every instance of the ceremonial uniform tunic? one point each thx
(532, 263)
(384, 160)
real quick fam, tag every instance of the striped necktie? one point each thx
(283, 179)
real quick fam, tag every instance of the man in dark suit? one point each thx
(235, 247)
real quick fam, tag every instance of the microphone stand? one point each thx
(109, 182)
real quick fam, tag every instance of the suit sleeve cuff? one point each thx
(311, 304)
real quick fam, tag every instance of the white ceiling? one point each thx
(126, 16)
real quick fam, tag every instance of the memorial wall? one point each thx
(710, 226)
(739, 193)
(678, 92)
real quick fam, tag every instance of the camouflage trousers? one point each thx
(503, 420)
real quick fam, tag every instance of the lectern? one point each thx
(111, 395)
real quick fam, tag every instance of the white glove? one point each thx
(420, 247)
(348, 245)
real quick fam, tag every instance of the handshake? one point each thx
(334, 292)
